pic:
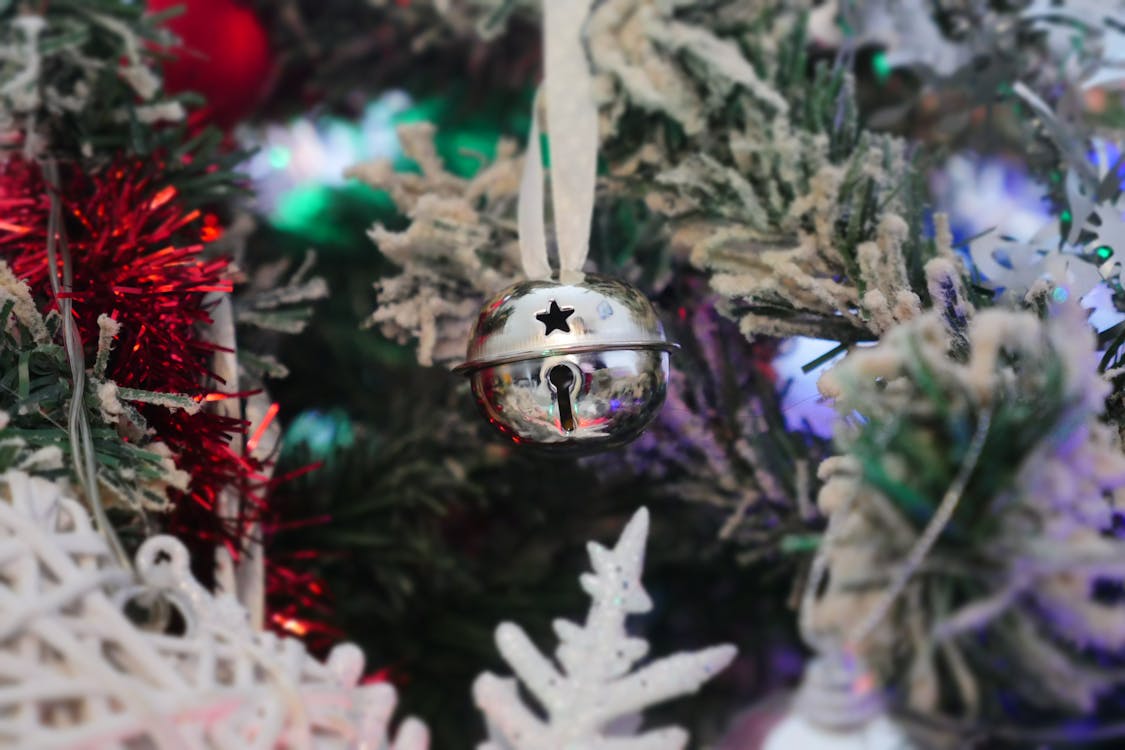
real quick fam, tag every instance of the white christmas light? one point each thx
(908, 32)
(307, 152)
(981, 194)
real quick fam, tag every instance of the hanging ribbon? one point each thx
(572, 130)
(78, 424)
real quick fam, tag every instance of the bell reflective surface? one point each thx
(578, 367)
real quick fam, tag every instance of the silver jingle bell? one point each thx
(574, 366)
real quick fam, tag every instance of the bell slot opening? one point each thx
(561, 378)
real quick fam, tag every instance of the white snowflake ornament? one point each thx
(589, 698)
(1094, 27)
(1082, 203)
(1103, 222)
(1109, 227)
(1016, 266)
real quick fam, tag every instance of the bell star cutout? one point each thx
(554, 318)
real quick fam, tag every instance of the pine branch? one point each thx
(920, 397)
(35, 391)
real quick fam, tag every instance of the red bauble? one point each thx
(223, 54)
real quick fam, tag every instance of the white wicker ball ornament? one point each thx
(575, 367)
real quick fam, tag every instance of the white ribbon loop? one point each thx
(572, 127)
(533, 234)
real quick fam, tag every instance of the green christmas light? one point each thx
(302, 206)
(322, 435)
(279, 157)
(330, 217)
(1104, 253)
(465, 144)
(468, 130)
(881, 66)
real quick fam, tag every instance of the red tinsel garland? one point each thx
(137, 256)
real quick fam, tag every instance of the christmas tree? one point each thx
(819, 342)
